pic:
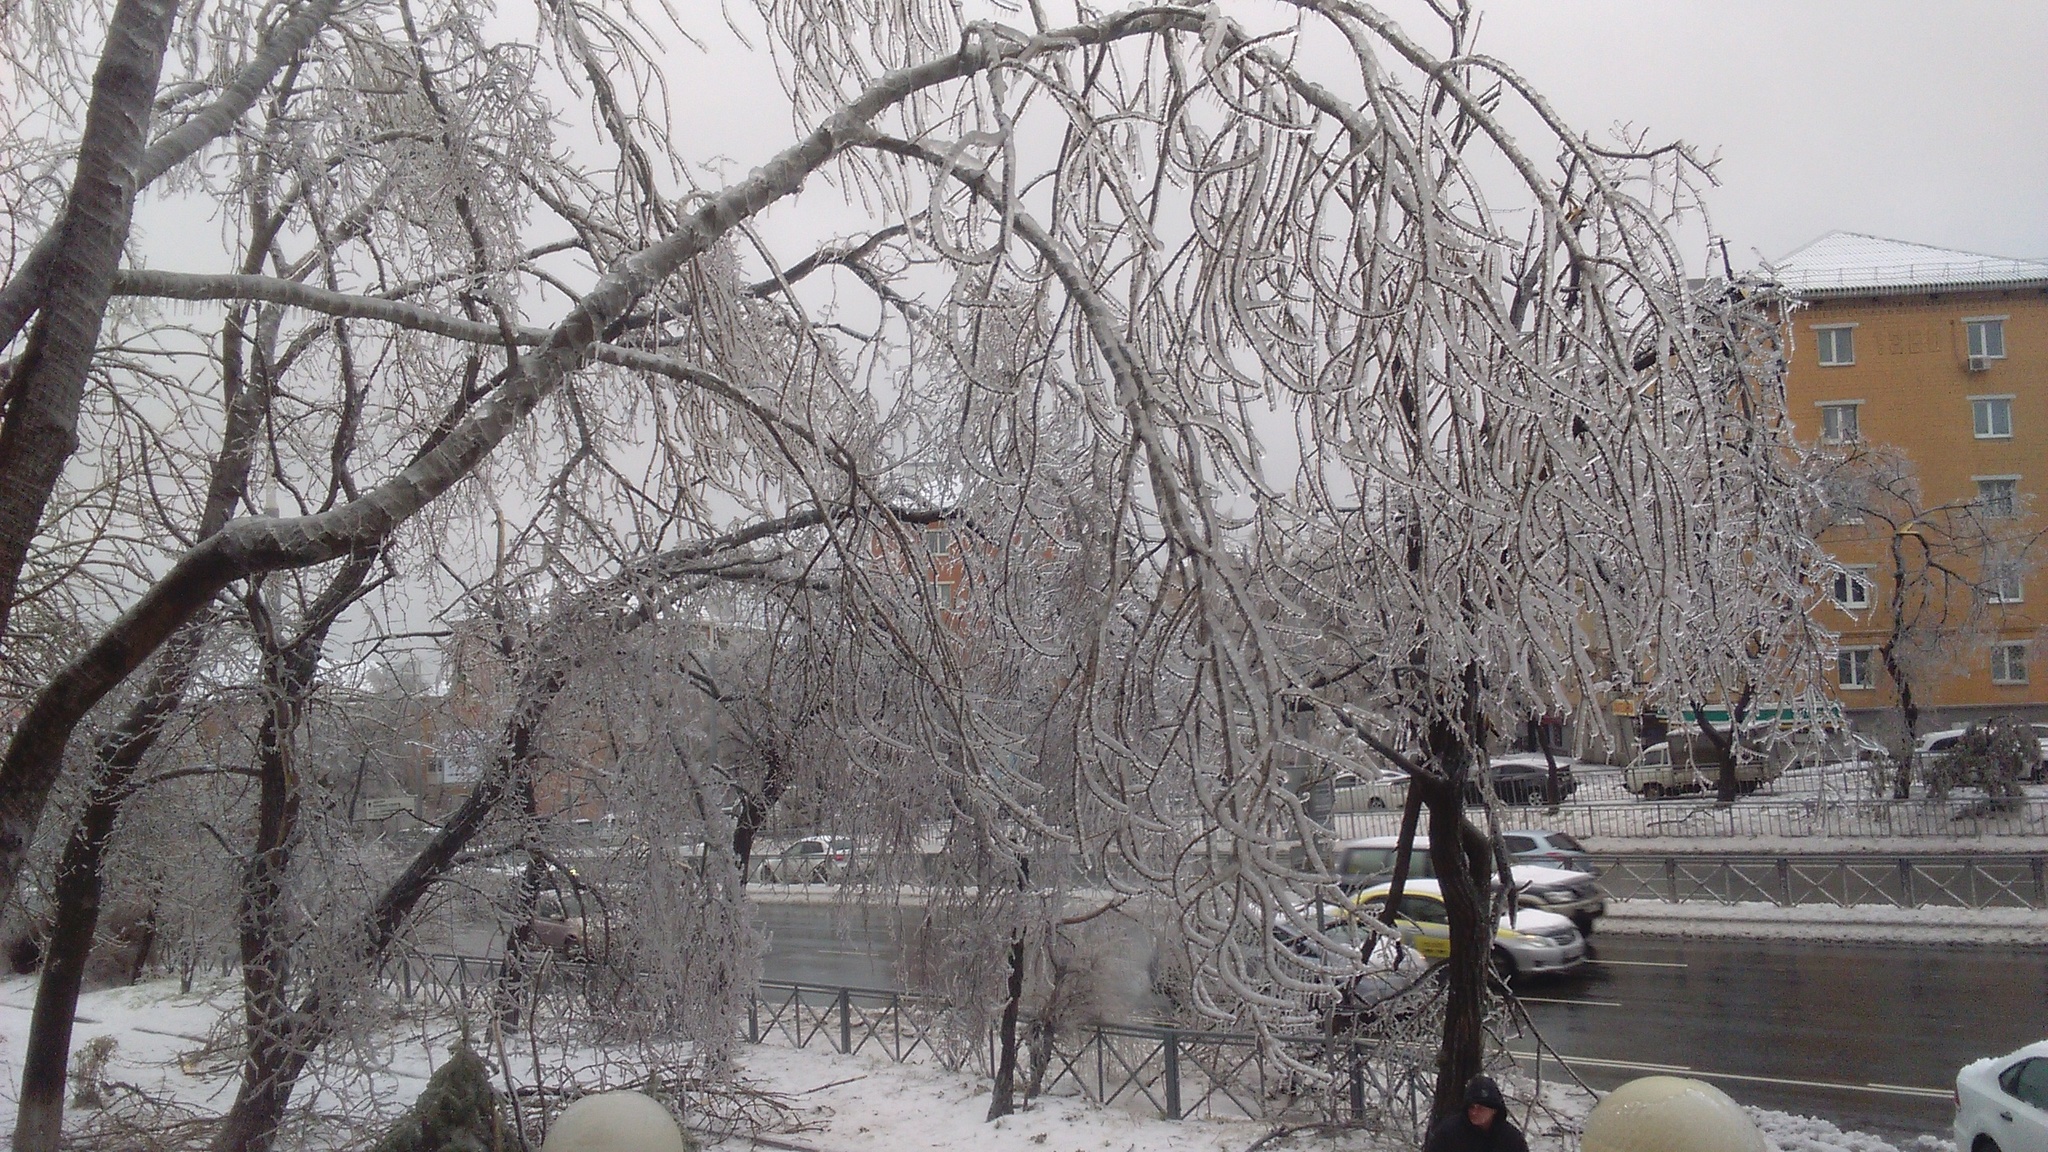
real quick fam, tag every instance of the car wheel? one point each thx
(1984, 1144)
(1653, 791)
(1375, 803)
(1584, 924)
(767, 874)
(1503, 965)
(819, 875)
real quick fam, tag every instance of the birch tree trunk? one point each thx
(39, 429)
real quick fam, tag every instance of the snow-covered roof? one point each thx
(1851, 263)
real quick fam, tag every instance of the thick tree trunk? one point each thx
(76, 899)
(755, 808)
(1894, 667)
(1003, 1094)
(1463, 883)
(40, 427)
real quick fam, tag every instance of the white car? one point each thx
(811, 860)
(2002, 1103)
(1936, 745)
(1354, 793)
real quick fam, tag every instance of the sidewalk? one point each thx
(1866, 924)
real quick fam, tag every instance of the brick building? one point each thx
(1942, 355)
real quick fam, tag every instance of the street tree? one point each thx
(1385, 392)
(1952, 565)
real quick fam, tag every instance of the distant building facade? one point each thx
(1942, 355)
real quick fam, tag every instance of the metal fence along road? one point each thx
(1176, 1072)
(1705, 820)
(1947, 881)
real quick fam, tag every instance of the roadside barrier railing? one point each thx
(1703, 819)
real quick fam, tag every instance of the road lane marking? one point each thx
(1931, 1093)
(1637, 1066)
(1586, 1003)
(1595, 1062)
(1638, 963)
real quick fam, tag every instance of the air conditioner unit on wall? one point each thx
(1979, 363)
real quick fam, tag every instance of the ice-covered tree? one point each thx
(1371, 387)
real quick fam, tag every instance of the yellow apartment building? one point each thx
(1942, 355)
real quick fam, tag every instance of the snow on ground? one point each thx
(167, 1043)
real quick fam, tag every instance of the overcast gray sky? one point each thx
(1916, 121)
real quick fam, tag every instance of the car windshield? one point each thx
(1368, 861)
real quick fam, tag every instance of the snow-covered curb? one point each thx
(1825, 922)
(1817, 845)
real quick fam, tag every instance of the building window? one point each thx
(2004, 581)
(945, 594)
(1987, 337)
(937, 541)
(1837, 345)
(1852, 587)
(1992, 416)
(1998, 496)
(2008, 663)
(1852, 667)
(1839, 422)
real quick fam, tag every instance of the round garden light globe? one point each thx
(1670, 1114)
(615, 1122)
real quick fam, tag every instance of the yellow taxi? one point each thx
(1537, 942)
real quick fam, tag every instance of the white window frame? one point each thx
(1828, 408)
(2005, 581)
(1851, 587)
(1859, 660)
(1973, 326)
(938, 540)
(946, 594)
(1983, 413)
(1825, 346)
(2003, 654)
(1990, 510)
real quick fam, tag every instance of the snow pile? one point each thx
(1806, 1134)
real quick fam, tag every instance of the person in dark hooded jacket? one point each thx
(1482, 1127)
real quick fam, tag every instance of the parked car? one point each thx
(1675, 769)
(811, 860)
(1536, 943)
(562, 928)
(1524, 778)
(1574, 895)
(1935, 745)
(1547, 849)
(2002, 1103)
(1354, 793)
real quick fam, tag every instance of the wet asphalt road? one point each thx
(1867, 1036)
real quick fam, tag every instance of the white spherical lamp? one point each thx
(1670, 1114)
(615, 1122)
